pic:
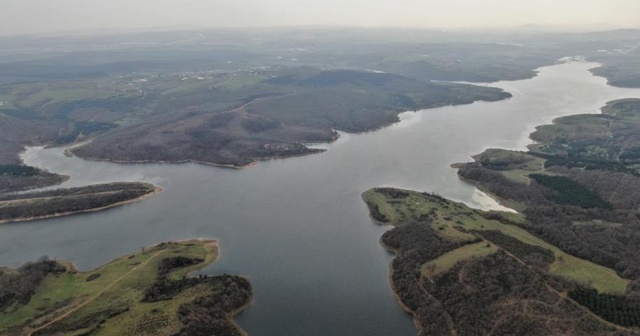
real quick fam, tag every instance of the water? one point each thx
(298, 227)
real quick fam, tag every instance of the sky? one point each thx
(47, 16)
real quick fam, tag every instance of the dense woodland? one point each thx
(209, 314)
(28, 179)
(499, 296)
(587, 198)
(619, 310)
(273, 117)
(15, 207)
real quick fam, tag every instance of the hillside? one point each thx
(64, 202)
(275, 117)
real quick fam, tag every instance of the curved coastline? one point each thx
(113, 276)
(156, 190)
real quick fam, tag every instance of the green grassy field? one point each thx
(448, 260)
(118, 291)
(453, 221)
(42, 94)
(512, 164)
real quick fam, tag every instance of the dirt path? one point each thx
(73, 310)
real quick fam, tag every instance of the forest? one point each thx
(509, 291)
(584, 198)
(272, 115)
(43, 204)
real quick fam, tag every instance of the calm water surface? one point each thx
(297, 227)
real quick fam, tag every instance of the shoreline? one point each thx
(204, 163)
(390, 271)
(211, 245)
(211, 248)
(393, 287)
(206, 242)
(68, 151)
(156, 190)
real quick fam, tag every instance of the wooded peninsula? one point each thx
(566, 263)
(149, 292)
(61, 202)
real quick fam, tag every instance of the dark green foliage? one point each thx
(206, 315)
(583, 163)
(18, 170)
(415, 244)
(617, 309)
(393, 193)
(497, 295)
(93, 276)
(569, 192)
(167, 265)
(17, 288)
(62, 201)
(165, 289)
(374, 210)
(501, 186)
(529, 253)
(209, 315)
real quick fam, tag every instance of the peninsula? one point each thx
(62, 202)
(149, 292)
(565, 264)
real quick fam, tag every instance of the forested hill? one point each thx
(270, 115)
(63, 202)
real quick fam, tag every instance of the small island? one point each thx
(146, 293)
(61, 202)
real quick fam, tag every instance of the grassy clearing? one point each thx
(119, 288)
(452, 221)
(448, 260)
(41, 94)
(239, 81)
(512, 164)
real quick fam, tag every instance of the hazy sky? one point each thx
(27, 16)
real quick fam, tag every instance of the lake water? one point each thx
(298, 227)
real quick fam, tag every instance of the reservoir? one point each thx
(297, 227)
